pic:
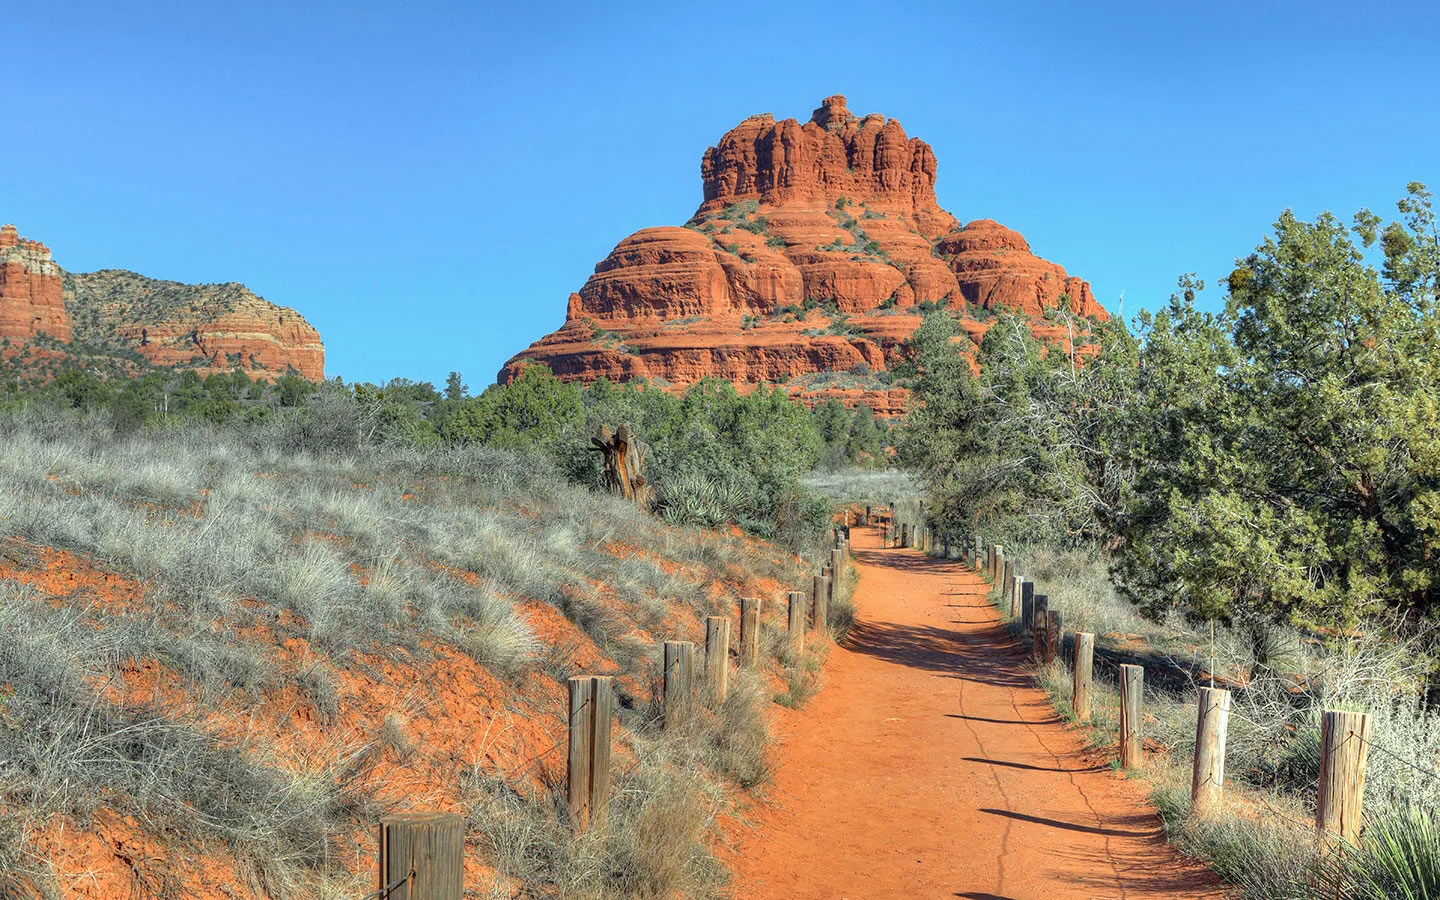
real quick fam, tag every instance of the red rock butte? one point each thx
(810, 261)
(32, 291)
(217, 327)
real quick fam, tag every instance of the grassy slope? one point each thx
(229, 662)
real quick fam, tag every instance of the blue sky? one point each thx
(427, 182)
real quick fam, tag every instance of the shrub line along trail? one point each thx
(930, 766)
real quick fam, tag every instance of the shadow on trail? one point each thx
(985, 655)
(1054, 721)
(988, 656)
(910, 561)
(1029, 768)
(1073, 826)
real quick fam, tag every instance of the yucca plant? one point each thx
(1398, 858)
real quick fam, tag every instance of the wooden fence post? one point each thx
(1027, 606)
(1007, 579)
(587, 766)
(717, 656)
(1344, 747)
(1016, 585)
(577, 761)
(821, 596)
(1208, 777)
(904, 534)
(1132, 694)
(602, 700)
(837, 567)
(1053, 631)
(679, 682)
(749, 631)
(1041, 611)
(422, 857)
(796, 623)
(867, 516)
(1084, 674)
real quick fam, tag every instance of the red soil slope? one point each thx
(930, 767)
(840, 211)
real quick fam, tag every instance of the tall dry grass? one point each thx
(369, 551)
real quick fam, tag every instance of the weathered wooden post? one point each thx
(1084, 674)
(587, 766)
(867, 516)
(1053, 630)
(837, 568)
(796, 621)
(577, 760)
(1017, 583)
(679, 682)
(1042, 620)
(1027, 605)
(904, 535)
(821, 596)
(1132, 694)
(422, 857)
(749, 631)
(1344, 748)
(717, 656)
(1007, 579)
(1208, 777)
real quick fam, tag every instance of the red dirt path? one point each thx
(930, 767)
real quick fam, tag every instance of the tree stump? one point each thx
(623, 473)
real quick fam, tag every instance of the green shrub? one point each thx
(1398, 858)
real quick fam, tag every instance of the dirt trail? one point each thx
(930, 767)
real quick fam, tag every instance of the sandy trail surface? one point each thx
(930, 767)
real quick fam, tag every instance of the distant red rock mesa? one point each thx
(835, 219)
(208, 327)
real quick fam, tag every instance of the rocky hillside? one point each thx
(219, 326)
(133, 318)
(815, 252)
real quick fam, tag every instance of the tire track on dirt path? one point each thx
(930, 766)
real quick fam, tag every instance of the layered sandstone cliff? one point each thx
(813, 254)
(210, 327)
(31, 292)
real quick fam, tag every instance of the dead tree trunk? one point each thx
(624, 468)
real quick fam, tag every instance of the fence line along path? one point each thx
(929, 766)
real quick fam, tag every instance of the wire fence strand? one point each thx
(384, 892)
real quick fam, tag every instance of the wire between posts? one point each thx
(1398, 758)
(385, 891)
